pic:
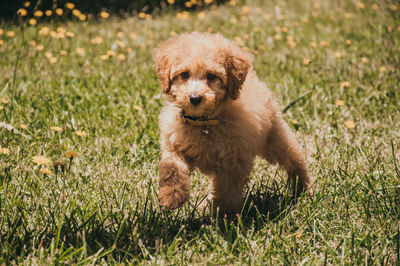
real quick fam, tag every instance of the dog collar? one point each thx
(196, 121)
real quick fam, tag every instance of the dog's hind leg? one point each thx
(282, 147)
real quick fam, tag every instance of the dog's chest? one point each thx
(209, 150)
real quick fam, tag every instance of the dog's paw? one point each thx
(172, 197)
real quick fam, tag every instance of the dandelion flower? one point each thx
(5, 151)
(232, 2)
(208, 1)
(121, 57)
(48, 13)
(72, 154)
(27, 4)
(245, 11)
(80, 51)
(337, 55)
(306, 61)
(375, 7)
(110, 53)
(32, 21)
(277, 37)
(70, 34)
(188, 4)
(63, 52)
(382, 69)
(59, 11)
(23, 126)
(40, 47)
(184, 15)
(4, 100)
(81, 133)
(339, 102)
(132, 35)
(44, 31)
(1, 31)
(82, 17)
(313, 44)
(41, 160)
(97, 40)
(347, 15)
(57, 129)
(210, 29)
(22, 12)
(323, 43)
(344, 84)
(38, 13)
(394, 7)
(70, 5)
(364, 60)
(201, 15)
(390, 28)
(137, 108)
(45, 171)
(142, 15)
(120, 44)
(360, 5)
(120, 34)
(104, 57)
(10, 33)
(171, 2)
(104, 14)
(349, 124)
(76, 12)
(348, 42)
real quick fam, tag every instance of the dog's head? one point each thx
(198, 72)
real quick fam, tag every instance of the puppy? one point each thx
(218, 117)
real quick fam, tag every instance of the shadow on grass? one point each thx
(141, 233)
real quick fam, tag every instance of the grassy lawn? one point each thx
(85, 96)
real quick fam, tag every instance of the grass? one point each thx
(102, 207)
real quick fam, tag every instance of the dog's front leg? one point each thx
(174, 181)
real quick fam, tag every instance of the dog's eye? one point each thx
(185, 75)
(211, 77)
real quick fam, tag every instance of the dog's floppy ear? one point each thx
(236, 66)
(163, 68)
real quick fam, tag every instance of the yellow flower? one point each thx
(120, 34)
(110, 53)
(277, 37)
(22, 12)
(45, 171)
(375, 7)
(360, 5)
(104, 14)
(82, 17)
(208, 1)
(347, 15)
(10, 34)
(44, 31)
(382, 69)
(348, 42)
(5, 151)
(324, 43)
(142, 15)
(70, 34)
(210, 29)
(232, 2)
(57, 129)
(59, 11)
(80, 51)
(63, 52)
(104, 57)
(201, 15)
(72, 154)
(188, 4)
(38, 13)
(27, 4)
(349, 124)
(394, 7)
(313, 44)
(53, 60)
(1, 42)
(364, 60)
(70, 5)
(306, 61)
(48, 13)
(390, 28)
(184, 15)
(171, 2)
(121, 57)
(33, 43)
(39, 47)
(1, 31)
(23, 126)
(132, 35)
(120, 44)
(4, 100)
(81, 133)
(337, 54)
(137, 107)
(245, 11)
(41, 160)
(344, 84)
(339, 102)
(32, 21)
(76, 12)
(97, 40)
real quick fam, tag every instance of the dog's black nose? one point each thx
(195, 99)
